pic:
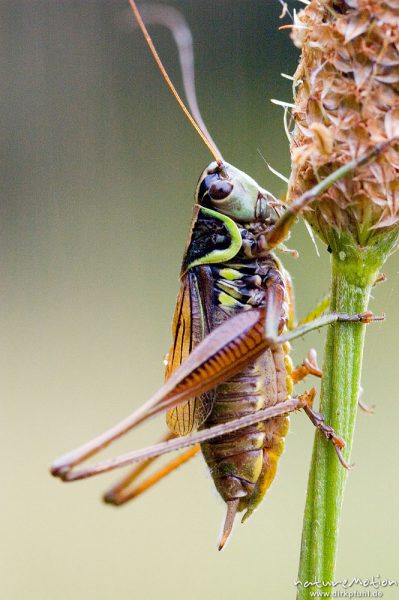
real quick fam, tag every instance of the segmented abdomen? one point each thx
(243, 464)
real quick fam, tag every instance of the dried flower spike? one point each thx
(347, 101)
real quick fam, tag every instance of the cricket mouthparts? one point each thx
(232, 506)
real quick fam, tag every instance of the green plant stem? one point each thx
(351, 286)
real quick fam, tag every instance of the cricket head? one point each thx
(232, 192)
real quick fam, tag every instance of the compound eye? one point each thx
(219, 190)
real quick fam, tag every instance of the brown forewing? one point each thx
(192, 321)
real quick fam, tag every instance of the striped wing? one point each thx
(191, 323)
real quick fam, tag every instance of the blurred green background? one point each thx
(98, 173)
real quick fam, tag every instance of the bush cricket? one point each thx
(229, 377)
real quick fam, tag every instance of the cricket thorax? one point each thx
(242, 284)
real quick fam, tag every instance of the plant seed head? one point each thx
(347, 101)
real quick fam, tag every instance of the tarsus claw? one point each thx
(368, 317)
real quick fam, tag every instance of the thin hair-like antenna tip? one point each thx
(199, 127)
(232, 507)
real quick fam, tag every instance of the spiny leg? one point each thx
(124, 491)
(328, 432)
(365, 318)
(115, 495)
(189, 440)
(185, 441)
(120, 487)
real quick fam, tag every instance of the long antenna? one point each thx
(173, 20)
(204, 135)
